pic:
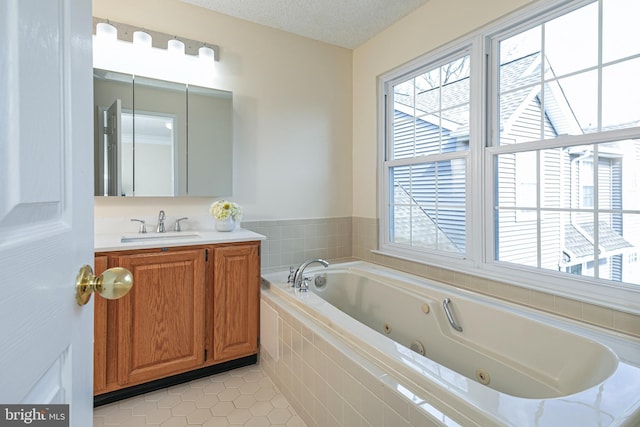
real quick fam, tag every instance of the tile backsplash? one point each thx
(290, 242)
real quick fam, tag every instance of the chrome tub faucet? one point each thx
(299, 281)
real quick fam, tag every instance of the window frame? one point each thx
(385, 129)
(480, 162)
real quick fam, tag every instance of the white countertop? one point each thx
(113, 242)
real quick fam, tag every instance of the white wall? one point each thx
(429, 27)
(292, 114)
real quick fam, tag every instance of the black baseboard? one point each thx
(125, 393)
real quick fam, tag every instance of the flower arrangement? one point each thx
(223, 209)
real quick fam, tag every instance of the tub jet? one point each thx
(483, 376)
(418, 347)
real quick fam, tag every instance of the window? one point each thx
(560, 141)
(566, 107)
(426, 157)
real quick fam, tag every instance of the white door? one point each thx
(46, 203)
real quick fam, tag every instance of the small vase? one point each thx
(225, 224)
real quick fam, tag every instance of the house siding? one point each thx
(517, 237)
(438, 189)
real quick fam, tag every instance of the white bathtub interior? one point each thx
(539, 367)
(512, 354)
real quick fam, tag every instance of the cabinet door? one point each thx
(99, 333)
(236, 298)
(105, 334)
(161, 321)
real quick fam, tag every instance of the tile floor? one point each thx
(242, 397)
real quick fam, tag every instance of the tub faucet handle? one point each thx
(292, 272)
(304, 285)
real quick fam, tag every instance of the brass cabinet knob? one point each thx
(114, 283)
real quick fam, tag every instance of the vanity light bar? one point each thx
(125, 32)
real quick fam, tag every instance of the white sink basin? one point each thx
(150, 237)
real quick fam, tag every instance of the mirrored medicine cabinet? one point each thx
(160, 139)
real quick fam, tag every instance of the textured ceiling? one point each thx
(346, 23)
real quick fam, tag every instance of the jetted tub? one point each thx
(508, 366)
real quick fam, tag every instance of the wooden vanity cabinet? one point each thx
(190, 307)
(161, 321)
(234, 320)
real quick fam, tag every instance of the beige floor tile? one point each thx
(279, 415)
(242, 397)
(261, 408)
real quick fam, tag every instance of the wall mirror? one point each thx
(160, 139)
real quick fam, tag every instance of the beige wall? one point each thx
(292, 114)
(429, 27)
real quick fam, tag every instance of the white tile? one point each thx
(184, 408)
(249, 388)
(223, 409)
(239, 416)
(229, 395)
(279, 415)
(158, 416)
(244, 401)
(261, 408)
(245, 396)
(199, 416)
(258, 422)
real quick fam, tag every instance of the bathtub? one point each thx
(507, 366)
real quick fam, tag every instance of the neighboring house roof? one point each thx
(577, 245)
(579, 240)
(519, 84)
(422, 231)
(608, 239)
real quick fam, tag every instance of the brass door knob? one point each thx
(114, 283)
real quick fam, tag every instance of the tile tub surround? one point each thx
(365, 232)
(290, 242)
(330, 385)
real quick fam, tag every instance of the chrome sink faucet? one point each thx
(298, 277)
(161, 218)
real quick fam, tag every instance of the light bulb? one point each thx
(106, 31)
(175, 46)
(207, 53)
(142, 39)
